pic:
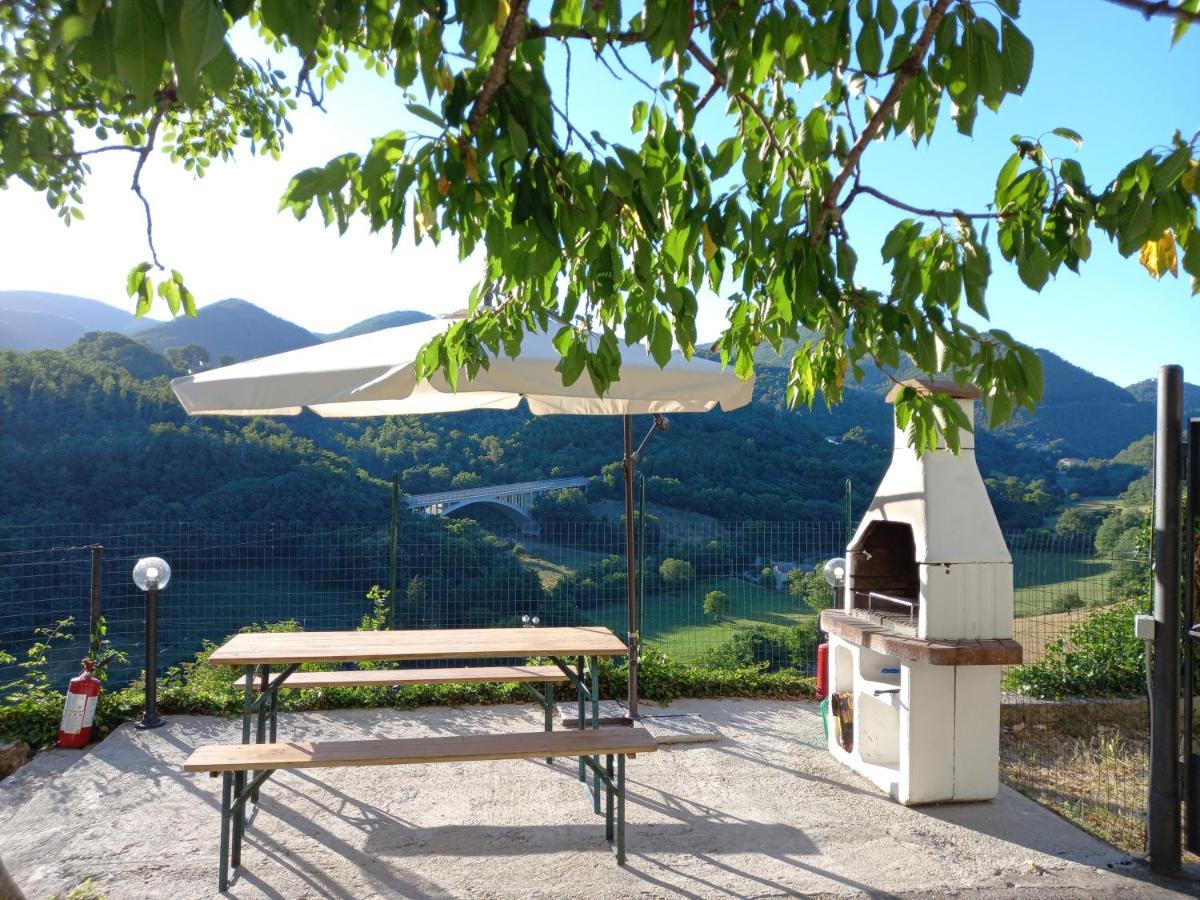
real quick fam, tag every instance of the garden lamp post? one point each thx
(151, 575)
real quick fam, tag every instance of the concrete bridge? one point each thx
(515, 500)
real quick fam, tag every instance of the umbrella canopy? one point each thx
(375, 375)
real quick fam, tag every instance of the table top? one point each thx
(281, 648)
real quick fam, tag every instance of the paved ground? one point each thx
(765, 812)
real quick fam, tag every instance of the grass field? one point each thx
(1041, 579)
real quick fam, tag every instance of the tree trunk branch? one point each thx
(514, 31)
(908, 70)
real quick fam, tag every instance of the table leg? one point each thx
(260, 730)
(247, 703)
(595, 671)
(582, 720)
(621, 809)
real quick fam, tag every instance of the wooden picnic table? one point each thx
(572, 650)
(575, 650)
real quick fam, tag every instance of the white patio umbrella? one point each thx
(375, 375)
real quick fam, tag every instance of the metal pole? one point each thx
(849, 514)
(392, 535)
(1191, 762)
(631, 568)
(150, 717)
(1163, 827)
(94, 618)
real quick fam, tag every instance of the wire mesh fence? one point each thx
(713, 594)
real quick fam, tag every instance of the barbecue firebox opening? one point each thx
(883, 570)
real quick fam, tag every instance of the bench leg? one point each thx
(239, 818)
(274, 714)
(226, 815)
(548, 703)
(608, 800)
(621, 810)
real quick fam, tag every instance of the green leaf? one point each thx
(869, 46)
(221, 71)
(1070, 134)
(567, 13)
(424, 112)
(886, 16)
(518, 139)
(1010, 7)
(1005, 179)
(1016, 57)
(638, 117)
(196, 30)
(140, 46)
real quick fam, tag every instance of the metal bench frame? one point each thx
(241, 788)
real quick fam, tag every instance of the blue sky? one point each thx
(1099, 69)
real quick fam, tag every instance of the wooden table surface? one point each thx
(455, 643)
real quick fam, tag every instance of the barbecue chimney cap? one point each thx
(932, 386)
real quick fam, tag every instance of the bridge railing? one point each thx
(416, 501)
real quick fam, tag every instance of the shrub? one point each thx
(716, 604)
(811, 587)
(1104, 659)
(676, 571)
(766, 578)
(766, 647)
(1067, 602)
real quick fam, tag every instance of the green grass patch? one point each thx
(675, 621)
(1042, 579)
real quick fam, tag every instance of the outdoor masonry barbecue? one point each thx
(925, 624)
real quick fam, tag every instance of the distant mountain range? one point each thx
(1081, 414)
(378, 323)
(231, 328)
(36, 320)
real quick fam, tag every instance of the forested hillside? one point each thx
(93, 433)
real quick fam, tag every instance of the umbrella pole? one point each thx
(631, 569)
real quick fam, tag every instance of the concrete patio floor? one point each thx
(764, 812)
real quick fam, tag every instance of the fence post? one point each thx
(94, 617)
(1163, 826)
(392, 535)
(1191, 762)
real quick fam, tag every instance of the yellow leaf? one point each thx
(710, 246)
(445, 79)
(1158, 257)
(1188, 180)
(502, 10)
(471, 165)
(443, 185)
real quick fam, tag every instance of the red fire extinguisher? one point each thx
(80, 709)
(823, 671)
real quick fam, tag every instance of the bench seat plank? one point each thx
(400, 751)
(387, 677)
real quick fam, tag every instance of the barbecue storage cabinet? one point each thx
(924, 627)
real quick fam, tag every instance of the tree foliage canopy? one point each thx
(607, 238)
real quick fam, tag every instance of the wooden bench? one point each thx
(233, 761)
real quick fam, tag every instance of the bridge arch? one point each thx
(515, 513)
